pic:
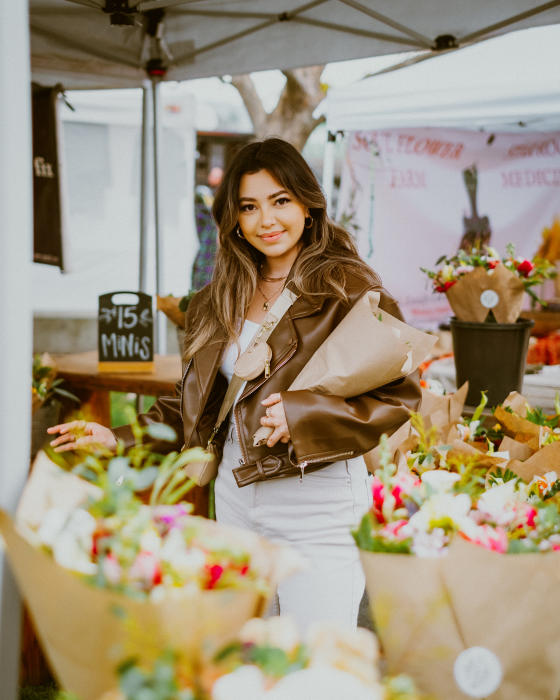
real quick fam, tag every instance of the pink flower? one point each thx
(112, 569)
(530, 515)
(146, 569)
(214, 574)
(493, 538)
(393, 530)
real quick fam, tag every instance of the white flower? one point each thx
(52, 525)
(276, 631)
(439, 480)
(443, 510)
(69, 535)
(150, 540)
(467, 430)
(246, 682)
(430, 544)
(186, 562)
(353, 650)
(545, 482)
(321, 684)
(500, 504)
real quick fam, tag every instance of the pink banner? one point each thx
(408, 196)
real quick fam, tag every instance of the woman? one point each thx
(274, 232)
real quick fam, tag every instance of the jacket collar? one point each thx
(207, 360)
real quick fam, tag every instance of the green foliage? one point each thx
(367, 541)
(501, 476)
(44, 384)
(158, 684)
(129, 472)
(537, 416)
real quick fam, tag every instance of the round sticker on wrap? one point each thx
(478, 672)
(489, 299)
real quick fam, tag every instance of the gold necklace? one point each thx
(266, 305)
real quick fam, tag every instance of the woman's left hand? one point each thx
(276, 419)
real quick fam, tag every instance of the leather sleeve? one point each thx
(167, 409)
(350, 427)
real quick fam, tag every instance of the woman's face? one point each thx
(270, 217)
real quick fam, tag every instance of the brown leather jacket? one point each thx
(323, 428)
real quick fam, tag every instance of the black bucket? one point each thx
(491, 357)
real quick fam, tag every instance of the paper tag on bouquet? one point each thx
(478, 672)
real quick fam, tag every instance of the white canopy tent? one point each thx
(508, 83)
(73, 42)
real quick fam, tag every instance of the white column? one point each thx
(15, 304)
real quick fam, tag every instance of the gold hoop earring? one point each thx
(308, 222)
(238, 232)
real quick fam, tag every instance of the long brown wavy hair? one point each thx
(327, 256)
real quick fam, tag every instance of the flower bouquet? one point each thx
(104, 573)
(457, 573)
(480, 282)
(269, 660)
(486, 294)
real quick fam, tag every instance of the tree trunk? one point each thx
(292, 118)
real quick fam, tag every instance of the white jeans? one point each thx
(314, 516)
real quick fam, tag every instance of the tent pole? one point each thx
(328, 170)
(144, 212)
(16, 240)
(161, 318)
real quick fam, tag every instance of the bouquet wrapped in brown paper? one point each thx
(460, 577)
(479, 281)
(105, 576)
(368, 348)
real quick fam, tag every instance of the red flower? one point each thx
(525, 268)
(492, 264)
(244, 569)
(445, 286)
(214, 575)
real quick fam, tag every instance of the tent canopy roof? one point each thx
(508, 83)
(72, 41)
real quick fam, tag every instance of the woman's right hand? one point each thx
(79, 434)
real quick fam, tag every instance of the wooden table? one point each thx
(79, 370)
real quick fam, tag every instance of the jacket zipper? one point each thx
(331, 458)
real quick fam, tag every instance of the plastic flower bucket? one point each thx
(491, 357)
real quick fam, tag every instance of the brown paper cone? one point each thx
(545, 460)
(510, 614)
(170, 307)
(465, 296)
(368, 349)
(394, 441)
(443, 411)
(48, 487)
(517, 450)
(85, 632)
(83, 638)
(428, 611)
(414, 620)
(521, 429)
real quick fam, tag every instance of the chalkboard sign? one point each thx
(125, 332)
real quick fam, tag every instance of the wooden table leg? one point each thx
(95, 405)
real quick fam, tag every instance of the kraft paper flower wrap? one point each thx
(368, 349)
(86, 631)
(462, 577)
(478, 282)
(429, 611)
